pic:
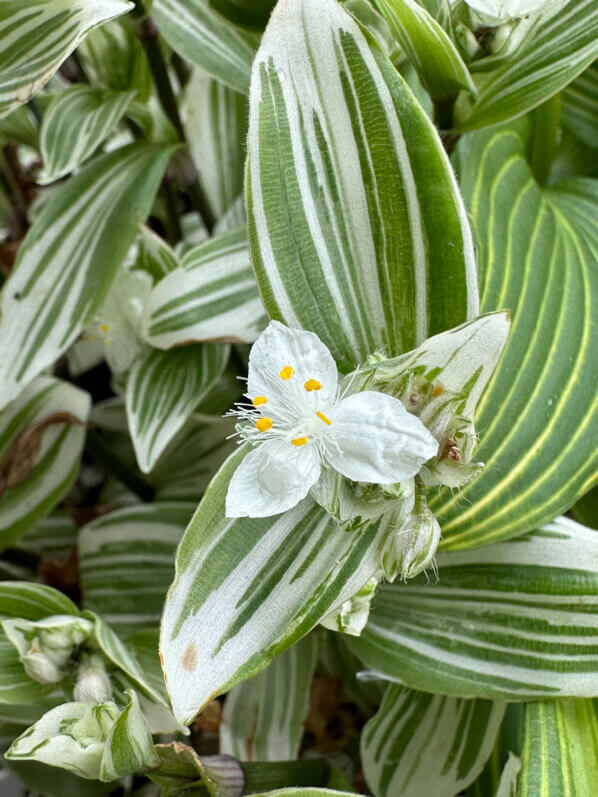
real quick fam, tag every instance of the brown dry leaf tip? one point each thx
(18, 461)
(189, 660)
(451, 450)
(210, 718)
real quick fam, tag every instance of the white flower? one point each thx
(299, 423)
(497, 11)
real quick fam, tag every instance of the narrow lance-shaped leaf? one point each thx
(538, 419)
(163, 389)
(76, 122)
(439, 65)
(247, 589)
(263, 717)
(421, 743)
(37, 36)
(212, 296)
(513, 620)
(41, 438)
(69, 257)
(356, 226)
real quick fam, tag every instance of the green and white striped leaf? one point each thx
(305, 792)
(579, 112)
(163, 389)
(247, 589)
(263, 717)
(76, 122)
(507, 786)
(37, 36)
(69, 257)
(538, 419)
(215, 119)
(54, 537)
(439, 65)
(499, 776)
(126, 563)
(42, 433)
(155, 255)
(129, 747)
(560, 749)
(514, 620)
(195, 30)
(561, 47)
(16, 687)
(421, 743)
(212, 296)
(356, 225)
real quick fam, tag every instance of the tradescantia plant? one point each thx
(371, 565)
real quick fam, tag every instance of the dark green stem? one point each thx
(546, 119)
(102, 452)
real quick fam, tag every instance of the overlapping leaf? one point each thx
(207, 39)
(163, 389)
(213, 295)
(580, 107)
(356, 226)
(76, 122)
(69, 257)
(561, 47)
(247, 589)
(37, 36)
(420, 743)
(538, 420)
(515, 620)
(41, 438)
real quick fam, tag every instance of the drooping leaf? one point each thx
(247, 589)
(126, 563)
(538, 419)
(163, 389)
(356, 226)
(560, 749)
(439, 65)
(69, 257)
(76, 122)
(37, 36)
(195, 30)
(514, 620)
(560, 48)
(212, 296)
(41, 439)
(263, 717)
(421, 743)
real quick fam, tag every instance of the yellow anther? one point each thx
(299, 441)
(104, 327)
(322, 417)
(91, 337)
(312, 384)
(438, 390)
(263, 424)
(259, 400)
(287, 372)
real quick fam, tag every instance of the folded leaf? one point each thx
(129, 747)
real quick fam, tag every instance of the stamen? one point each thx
(437, 390)
(263, 424)
(312, 384)
(104, 327)
(287, 372)
(322, 417)
(259, 400)
(299, 441)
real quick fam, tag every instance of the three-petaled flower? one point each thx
(300, 422)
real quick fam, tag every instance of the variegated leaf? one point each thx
(37, 36)
(69, 257)
(420, 743)
(263, 717)
(155, 255)
(514, 620)
(76, 122)
(212, 296)
(163, 389)
(129, 747)
(247, 589)
(579, 112)
(41, 439)
(356, 226)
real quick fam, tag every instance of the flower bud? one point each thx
(353, 614)
(93, 684)
(40, 668)
(412, 548)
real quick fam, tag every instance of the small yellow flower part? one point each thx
(104, 327)
(438, 390)
(287, 372)
(312, 384)
(299, 441)
(322, 417)
(91, 337)
(259, 400)
(263, 424)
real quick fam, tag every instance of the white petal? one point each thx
(378, 440)
(279, 346)
(272, 478)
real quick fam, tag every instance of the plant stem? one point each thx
(544, 138)
(101, 451)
